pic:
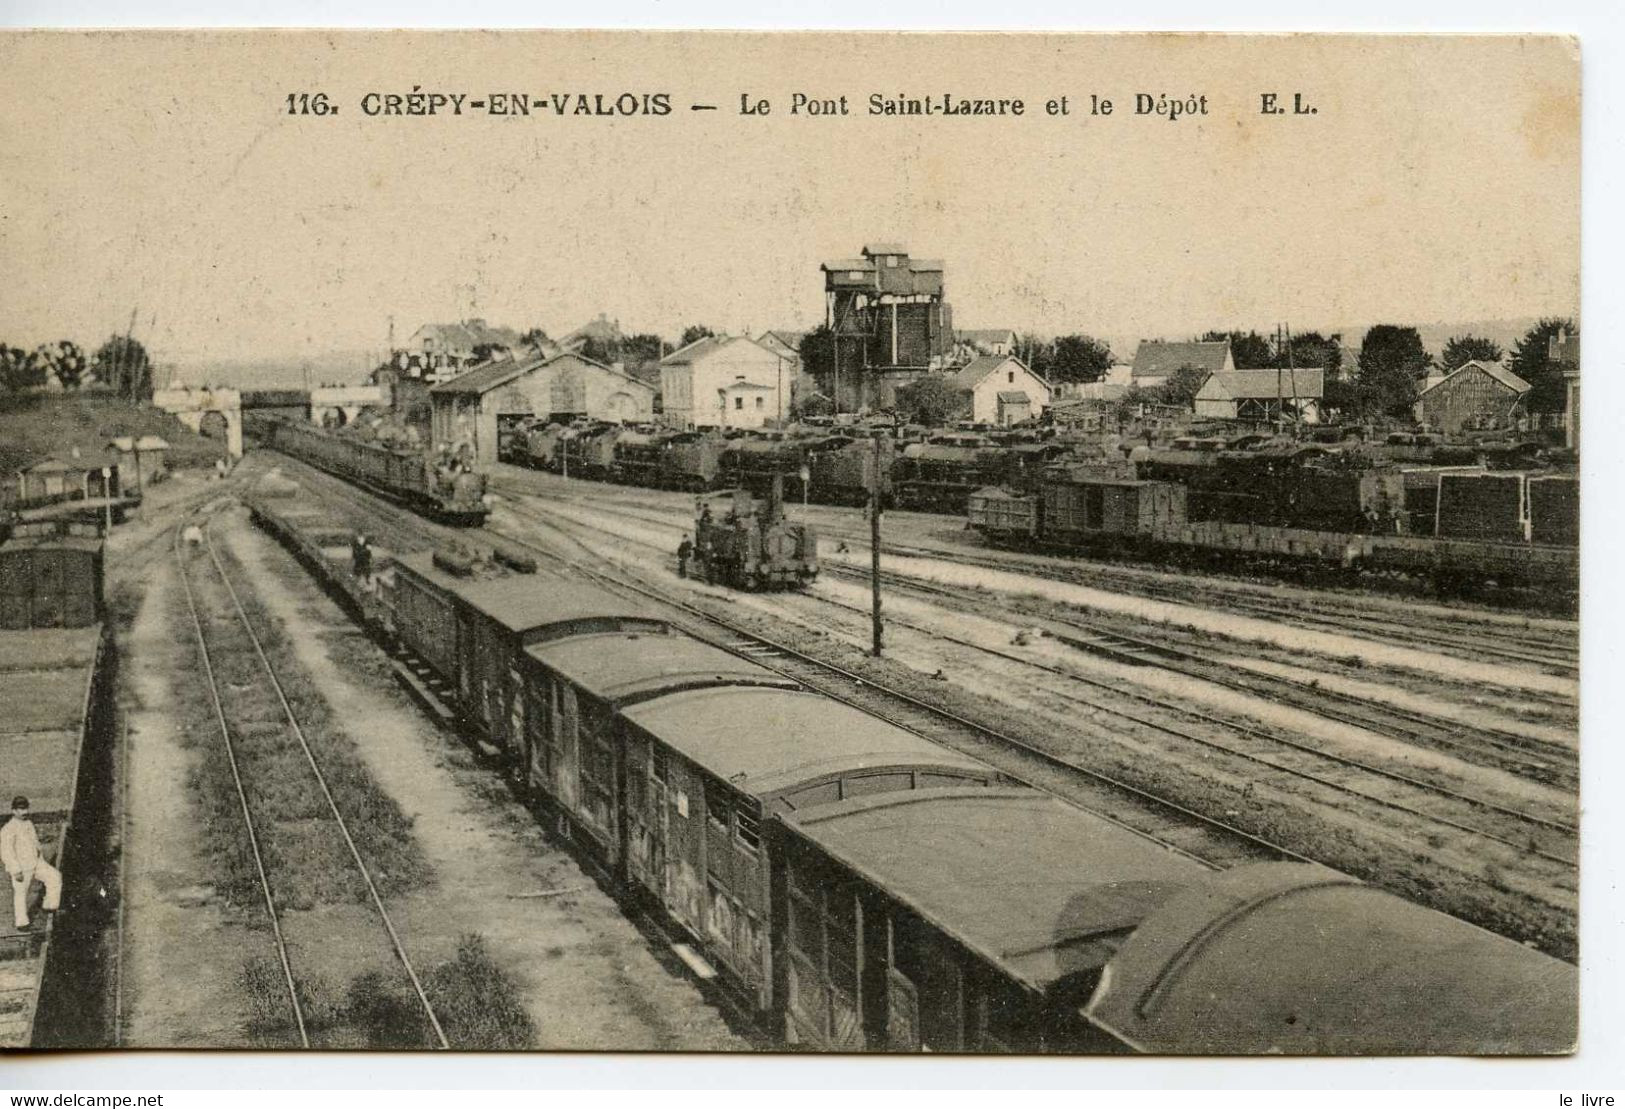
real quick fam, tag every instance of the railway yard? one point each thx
(312, 830)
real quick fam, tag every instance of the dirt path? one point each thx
(588, 977)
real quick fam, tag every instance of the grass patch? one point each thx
(306, 859)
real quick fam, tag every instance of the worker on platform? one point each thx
(20, 852)
(361, 558)
(685, 550)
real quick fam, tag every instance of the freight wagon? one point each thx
(845, 471)
(864, 889)
(1149, 517)
(55, 684)
(442, 490)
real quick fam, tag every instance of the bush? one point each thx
(478, 1006)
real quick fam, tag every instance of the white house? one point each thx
(1002, 390)
(724, 381)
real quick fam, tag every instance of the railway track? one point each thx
(1465, 637)
(1437, 806)
(1213, 842)
(220, 624)
(1536, 759)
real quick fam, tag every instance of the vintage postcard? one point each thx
(751, 542)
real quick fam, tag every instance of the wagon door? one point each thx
(648, 823)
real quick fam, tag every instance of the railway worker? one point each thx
(685, 551)
(20, 852)
(361, 558)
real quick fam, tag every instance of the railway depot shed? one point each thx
(1476, 394)
(475, 406)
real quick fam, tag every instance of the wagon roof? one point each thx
(1033, 885)
(619, 666)
(520, 602)
(764, 741)
(1326, 964)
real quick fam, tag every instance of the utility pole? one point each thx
(107, 495)
(874, 547)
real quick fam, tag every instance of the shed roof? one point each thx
(145, 443)
(522, 602)
(767, 740)
(1284, 958)
(1032, 884)
(1014, 396)
(494, 375)
(610, 667)
(1307, 384)
(874, 249)
(1155, 358)
(1494, 369)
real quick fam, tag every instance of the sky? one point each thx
(1436, 180)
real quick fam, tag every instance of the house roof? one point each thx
(492, 375)
(790, 339)
(847, 264)
(1155, 358)
(1494, 369)
(977, 370)
(603, 329)
(873, 249)
(700, 348)
(986, 335)
(468, 334)
(1261, 384)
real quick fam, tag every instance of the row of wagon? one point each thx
(862, 888)
(444, 488)
(55, 684)
(1534, 543)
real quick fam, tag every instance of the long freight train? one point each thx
(861, 888)
(446, 490)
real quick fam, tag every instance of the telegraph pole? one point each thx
(874, 547)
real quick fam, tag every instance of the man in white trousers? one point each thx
(20, 853)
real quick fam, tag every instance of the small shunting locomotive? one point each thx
(747, 543)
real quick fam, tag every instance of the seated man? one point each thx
(20, 853)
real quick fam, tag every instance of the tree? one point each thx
(641, 348)
(1037, 352)
(1179, 391)
(17, 370)
(1078, 358)
(62, 361)
(1311, 350)
(694, 332)
(932, 400)
(534, 337)
(124, 366)
(1391, 359)
(600, 350)
(1249, 349)
(817, 352)
(1531, 360)
(1468, 348)
(813, 404)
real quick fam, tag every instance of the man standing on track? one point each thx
(19, 851)
(685, 551)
